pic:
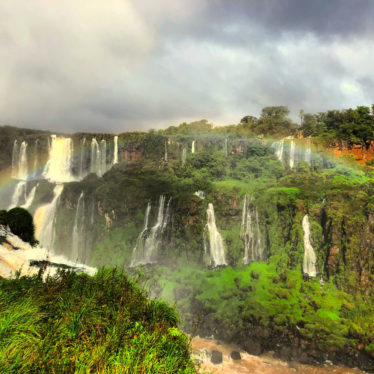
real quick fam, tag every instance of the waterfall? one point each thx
(82, 158)
(225, 148)
(95, 157)
(193, 147)
(19, 194)
(278, 146)
(184, 155)
(15, 155)
(59, 165)
(44, 218)
(166, 152)
(309, 265)
(30, 197)
(292, 154)
(308, 153)
(251, 234)
(115, 155)
(216, 245)
(103, 157)
(36, 150)
(22, 162)
(149, 240)
(76, 253)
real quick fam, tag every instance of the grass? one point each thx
(77, 323)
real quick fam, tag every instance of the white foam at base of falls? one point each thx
(215, 242)
(310, 259)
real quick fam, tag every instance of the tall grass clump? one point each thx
(74, 323)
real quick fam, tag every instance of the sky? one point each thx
(123, 65)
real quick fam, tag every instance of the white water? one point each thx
(251, 234)
(308, 153)
(19, 194)
(193, 147)
(59, 165)
(184, 155)
(44, 219)
(16, 256)
(149, 240)
(36, 153)
(103, 156)
(15, 154)
(309, 265)
(95, 157)
(279, 149)
(166, 152)
(115, 154)
(216, 245)
(82, 158)
(292, 154)
(22, 162)
(200, 194)
(30, 197)
(78, 230)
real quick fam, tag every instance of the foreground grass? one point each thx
(77, 323)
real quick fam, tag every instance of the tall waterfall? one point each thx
(15, 155)
(30, 197)
(44, 219)
(292, 154)
(193, 146)
(215, 242)
(166, 152)
(308, 153)
(82, 158)
(279, 149)
(59, 165)
(115, 154)
(77, 239)
(310, 259)
(251, 234)
(149, 240)
(184, 155)
(22, 162)
(103, 156)
(36, 159)
(19, 195)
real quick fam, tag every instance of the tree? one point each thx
(21, 223)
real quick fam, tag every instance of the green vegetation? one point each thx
(77, 323)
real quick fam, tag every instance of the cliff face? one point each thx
(361, 152)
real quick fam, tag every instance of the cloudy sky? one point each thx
(117, 65)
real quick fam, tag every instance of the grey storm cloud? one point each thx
(118, 65)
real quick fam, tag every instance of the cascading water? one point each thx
(251, 234)
(95, 157)
(308, 153)
(59, 165)
(103, 157)
(115, 154)
(292, 154)
(77, 237)
(15, 155)
(184, 155)
(193, 147)
(36, 153)
(215, 242)
(310, 259)
(44, 219)
(22, 162)
(19, 194)
(166, 152)
(278, 146)
(30, 197)
(149, 240)
(82, 158)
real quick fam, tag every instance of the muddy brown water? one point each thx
(265, 364)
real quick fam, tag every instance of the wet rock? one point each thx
(216, 357)
(235, 355)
